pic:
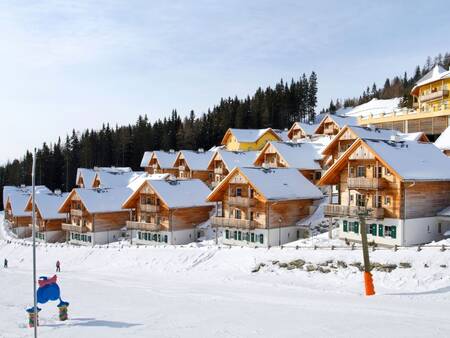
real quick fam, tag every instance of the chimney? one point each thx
(58, 192)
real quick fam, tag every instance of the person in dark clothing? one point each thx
(5, 263)
(58, 266)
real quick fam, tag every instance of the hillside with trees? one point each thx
(57, 162)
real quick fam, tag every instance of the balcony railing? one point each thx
(74, 228)
(149, 208)
(181, 167)
(233, 223)
(143, 226)
(337, 210)
(242, 201)
(435, 95)
(218, 170)
(365, 183)
(77, 212)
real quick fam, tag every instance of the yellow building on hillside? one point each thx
(248, 139)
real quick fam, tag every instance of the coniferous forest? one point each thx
(277, 107)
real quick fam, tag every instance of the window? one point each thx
(247, 237)
(252, 193)
(237, 214)
(428, 229)
(352, 172)
(361, 171)
(227, 234)
(439, 228)
(354, 226)
(373, 229)
(261, 238)
(239, 236)
(251, 215)
(390, 231)
(317, 175)
(166, 238)
(234, 234)
(298, 234)
(377, 171)
(387, 200)
(377, 201)
(345, 226)
(387, 172)
(252, 237)
(238, 192)
(380, 230)
(360, 200)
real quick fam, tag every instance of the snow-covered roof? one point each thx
(375, 107)
(300, 155)
(233, 159)
(111, 179)
(437, 73)
(281, 183)
(146, 159)
(384, 134)
(196, 160)
(18, 198)
(165, 158)
(283, 134)
(248, 135)
(445, 212)
(103, 200)
(443, 141)
(135, 184)
(181, 193)
(342, 120)
(413, 160)
(307, 128)
(48, 204)
(87, 175)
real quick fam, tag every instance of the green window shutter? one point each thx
(227, 234)
(373, 229)
(239, 235)
(261, 238)
(380, 230)
(356, 227)
(394, 232)
(252, 237)
(345, 226)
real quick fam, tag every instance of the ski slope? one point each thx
(206, 291)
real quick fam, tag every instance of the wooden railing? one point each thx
(149, 207)
(337, 210)
(74, 228)
(233, 222)
(143, 226)
(365, 183)
(218, 170)
(241, 201)
(435, 95)
(77, 212)
(181, 167)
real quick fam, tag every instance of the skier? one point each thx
(5, 263)
(58, 266)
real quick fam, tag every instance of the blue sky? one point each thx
(77, 64)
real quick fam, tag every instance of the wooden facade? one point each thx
(328, 127)
(155, 166)
(186, 170)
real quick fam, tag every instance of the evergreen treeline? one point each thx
(399, 86)
(57, 163)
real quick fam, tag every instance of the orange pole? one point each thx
(368, 283)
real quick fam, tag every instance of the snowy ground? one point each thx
(211, 292)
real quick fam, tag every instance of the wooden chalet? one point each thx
(48, 219)
(400, 185)
(331, 124)
(249, 139)
(14, 201)
(168, 211)
(223, 161)
(301, 130)
(194, 164)
(260, 207)
(114, 177)
(95, 216)
(160, 162)
(85, 177)
(306, 157)
(349, 134)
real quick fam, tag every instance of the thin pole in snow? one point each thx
(33, 180)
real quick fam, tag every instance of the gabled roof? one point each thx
(283, 134)
(110, 179)
(339, 120)
(97, 201)
(301, 155)
(374, 134)
(87, 175)
(18, 197)
(176, 193)
(248, 135)
(233, 159)
(195, 160)
(308, 129)
(48, 204)
(437, 73)
(272, 184)
(165, 158)
(375, 107)
(408, 160)
(146, 159)
(443, 141)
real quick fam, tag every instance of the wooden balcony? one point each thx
(233, 223)
(39, 226)
(218, 170)
(132, 225)
(74, 228)
(337, 210)
(77, 212)
(439, 94)
(365, 183)
(181, 167)
(242, 201)
(149, 208)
